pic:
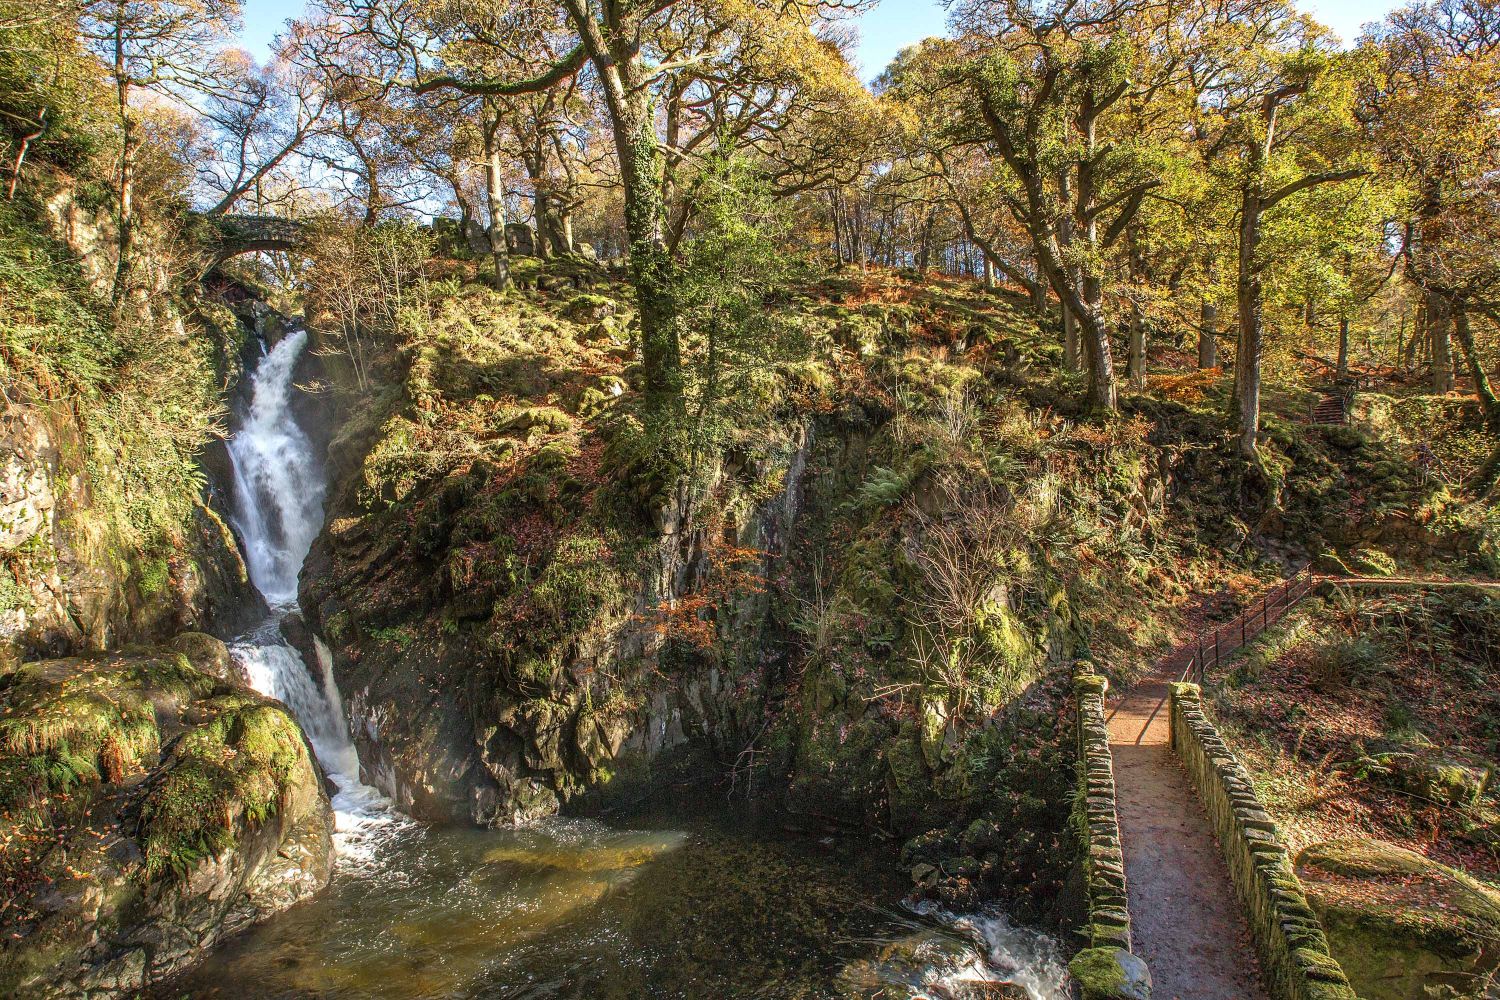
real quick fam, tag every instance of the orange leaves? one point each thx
(1187, 387)
(734, 572)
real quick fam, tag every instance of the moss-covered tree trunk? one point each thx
(1070, 340)
(1440, 339)
(1482, 387)
(129, 145)
(1250, 300)
(641, 169)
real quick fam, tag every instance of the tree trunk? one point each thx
(1487, 476)
(989, 272)
(1343, 362)
(1440, 338)
(1486, 392)
(924, 250)
(1208, 343)
(1248, 349)
(1136, 361)
(1070, 340)
(838, 229)
(123, 265)
(1418, 334)
(641, 165)
(494, 189)
(20, 160)
(1097, 351)
(129, 143)
(544, 236)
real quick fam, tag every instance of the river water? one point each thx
(690, 902)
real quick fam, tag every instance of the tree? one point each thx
(1430, 100)
(50, 93)
(629, 49)
(1047, 83)
(1265, 184)
(154, 45)
(925, 97)
(258, 120)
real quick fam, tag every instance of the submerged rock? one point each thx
(148, 809)
(1403, 927)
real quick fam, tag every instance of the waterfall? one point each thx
(278, 481)
(278, 510)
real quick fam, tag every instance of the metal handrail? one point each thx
(1211, 649)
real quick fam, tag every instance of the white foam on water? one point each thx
(279, 491)
(1002, 953)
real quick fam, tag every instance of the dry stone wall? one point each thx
(1104, 862)
(1288, 937)
(1105, 969)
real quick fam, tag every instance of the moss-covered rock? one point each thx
(206, 653)
(1372, 562)
(148, 809)
(1401, 926)
(1109, 974)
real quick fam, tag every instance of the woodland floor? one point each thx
(1302, 738)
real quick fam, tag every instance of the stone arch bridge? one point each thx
(232, 235)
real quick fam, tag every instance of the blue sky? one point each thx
(885, 30)
(895, 24)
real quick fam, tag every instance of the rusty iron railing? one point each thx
(1213, 646)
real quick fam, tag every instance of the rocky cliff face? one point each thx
(106, 537)
(75, 586)
(459, 721)
(518, 609)
(150, 806)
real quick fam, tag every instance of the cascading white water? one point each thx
(278, 481)
(278, 510)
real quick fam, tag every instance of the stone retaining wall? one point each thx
(1104, 863)
(1292, 946)
(1105, 969)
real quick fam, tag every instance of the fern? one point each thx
(884, 488)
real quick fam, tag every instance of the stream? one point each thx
(676, 901)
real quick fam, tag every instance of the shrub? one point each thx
(1339, 661)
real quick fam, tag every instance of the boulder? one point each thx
(148, 810)
(587, 308)
(1428, 774)
(1402, 926)
(206, 653)
(1109, 974)
(519, 239)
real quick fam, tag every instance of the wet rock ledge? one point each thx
(150, 806)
